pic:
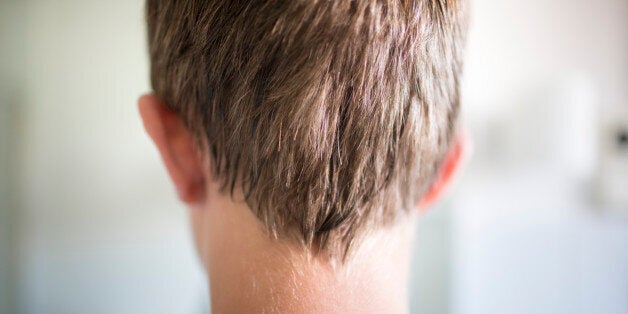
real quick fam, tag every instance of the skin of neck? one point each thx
(248, 271)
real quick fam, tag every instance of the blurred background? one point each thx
(538, 223)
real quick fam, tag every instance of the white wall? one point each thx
(98, 227)
(543, 79)
(9, 81)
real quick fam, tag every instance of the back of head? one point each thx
(332, 117)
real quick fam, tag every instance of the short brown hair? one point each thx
(332, 116)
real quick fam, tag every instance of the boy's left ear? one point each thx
(447, 172)
(176, 147)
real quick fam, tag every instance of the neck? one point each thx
(249, 272)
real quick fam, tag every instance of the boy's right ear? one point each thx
(450, 167)
(176, 147)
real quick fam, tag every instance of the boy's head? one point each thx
(331, 118)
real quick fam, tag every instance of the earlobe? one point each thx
(176, 147)
(446, 174)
